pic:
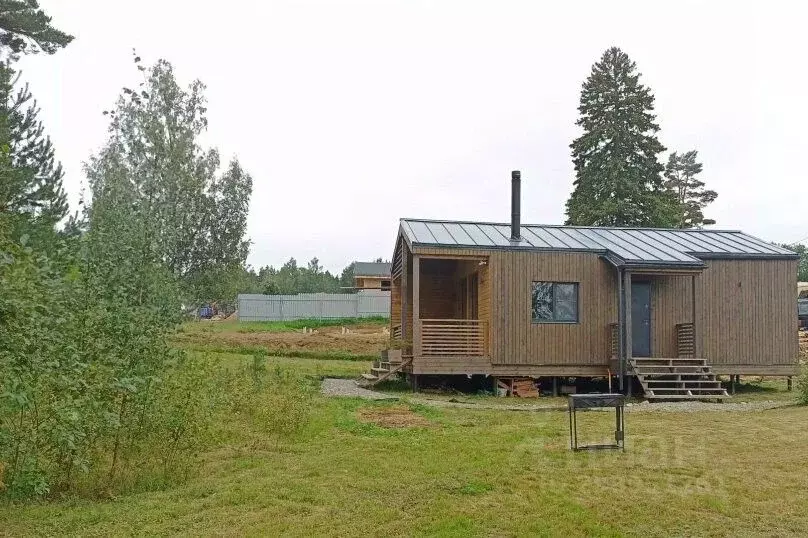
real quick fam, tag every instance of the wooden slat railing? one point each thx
(614, 340)
(396, 332)
(685, 340)
(453, 337)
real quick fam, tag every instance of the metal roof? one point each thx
(623, 246)
(371, 269)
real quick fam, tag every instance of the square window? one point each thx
(554, 302)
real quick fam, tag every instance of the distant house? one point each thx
(372, 276)
(672, 308)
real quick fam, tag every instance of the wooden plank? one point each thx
(416, 307)
(628, 331)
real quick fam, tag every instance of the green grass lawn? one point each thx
(464, 472)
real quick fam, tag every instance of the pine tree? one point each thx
(618, 177)
(692, 197)
(24, 28)
(31, 179)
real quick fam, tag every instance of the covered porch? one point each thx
(441, 309)
(656, 335)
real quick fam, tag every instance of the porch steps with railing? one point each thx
(384, 369)
(681, 378)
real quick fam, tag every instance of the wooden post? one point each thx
(404, 292)
(732, 383)
(628, 329)
(555, 386)
(693, 314)
(416, 308)
(788, 383)
(621, 332)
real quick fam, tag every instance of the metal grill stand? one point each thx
(593, 401)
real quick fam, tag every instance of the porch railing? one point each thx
(453, 337)
(614, 340)
(686, 340)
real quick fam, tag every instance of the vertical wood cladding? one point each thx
(748, 313)
(515, 339)
(745, 310)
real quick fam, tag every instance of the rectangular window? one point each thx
(555, 302)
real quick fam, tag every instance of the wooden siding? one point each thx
(745, 314)
(395, 303)
(748, 315)
(516, 340)
(671, 304)
(484, 302)
(409, 296)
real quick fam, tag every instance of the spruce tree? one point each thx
(618, 177)
(30, 178)
(692, 197)
(24, 28)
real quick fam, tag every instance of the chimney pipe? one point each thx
(516, 195)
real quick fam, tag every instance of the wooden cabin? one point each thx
(536, 300)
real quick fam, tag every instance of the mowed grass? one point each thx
(466, 472)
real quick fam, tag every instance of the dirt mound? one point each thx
(391, 417)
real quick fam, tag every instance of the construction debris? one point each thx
(522, 387)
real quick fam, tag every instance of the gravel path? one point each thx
(348, 387)
(695, 406)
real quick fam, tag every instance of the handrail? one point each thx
(453, 337)
(454, 320)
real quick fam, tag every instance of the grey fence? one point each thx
(366, 303)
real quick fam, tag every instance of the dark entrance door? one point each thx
(641, 319)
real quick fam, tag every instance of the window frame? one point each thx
(554, 283)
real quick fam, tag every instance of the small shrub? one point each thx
(802, 386)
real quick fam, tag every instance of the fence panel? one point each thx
(366, 303)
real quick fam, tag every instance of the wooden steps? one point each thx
(383, 369)
(683, 378)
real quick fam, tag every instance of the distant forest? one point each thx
(290, 278)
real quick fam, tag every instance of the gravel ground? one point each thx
(349, 387)
(695, 406)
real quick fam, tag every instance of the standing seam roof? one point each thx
(627, 246)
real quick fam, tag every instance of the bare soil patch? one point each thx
(370, 339)
(392, 417)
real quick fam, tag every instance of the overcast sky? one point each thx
(351, 115)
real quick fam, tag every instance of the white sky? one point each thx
(350, 115)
